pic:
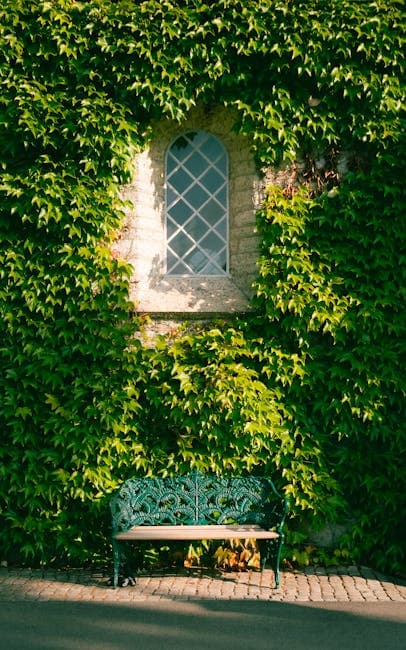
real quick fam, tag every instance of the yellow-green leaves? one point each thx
(310, 385)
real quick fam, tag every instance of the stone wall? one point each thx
(142, 240)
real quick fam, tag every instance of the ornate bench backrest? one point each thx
(154, 501)
(197, 499)
(242, 500)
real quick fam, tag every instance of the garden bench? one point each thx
(196, 507)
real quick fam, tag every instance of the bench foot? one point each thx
(128, 581)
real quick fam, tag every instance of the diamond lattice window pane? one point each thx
(212, 180)
(212, 148)
(212, 212)
(197, 206)
(180, 181)
(213, 243)
(222, 228)
(180, 244)
(177, 267)
(196, 164)
(196, 196)
(197, 229)
(196, 261)
(180, 212)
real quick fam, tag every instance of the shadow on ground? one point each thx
(212, 625)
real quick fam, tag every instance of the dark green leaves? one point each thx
(311, 386)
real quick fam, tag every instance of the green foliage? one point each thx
(206, 405)
(332, 287)
(310, 388)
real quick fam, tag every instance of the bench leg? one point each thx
(278, 559)
(116, 562)
(277, 577)
(268, 550)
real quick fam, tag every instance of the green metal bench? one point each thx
(199, 506)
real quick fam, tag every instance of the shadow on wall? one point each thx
(194, 294)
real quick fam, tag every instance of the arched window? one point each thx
(189, 234)
(196, 209)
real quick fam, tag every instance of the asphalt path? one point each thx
(202, 624)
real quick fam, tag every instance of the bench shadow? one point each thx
(218, 625)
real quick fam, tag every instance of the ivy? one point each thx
(331, 286)
(310, 387)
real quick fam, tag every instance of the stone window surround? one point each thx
(142, 240)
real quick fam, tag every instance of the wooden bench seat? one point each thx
(185, 532)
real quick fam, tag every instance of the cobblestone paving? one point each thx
(334, 584)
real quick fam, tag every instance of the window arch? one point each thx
(196, 206)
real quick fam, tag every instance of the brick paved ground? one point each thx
(314, 584)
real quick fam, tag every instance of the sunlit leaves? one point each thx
(331, 287)
(309, 387)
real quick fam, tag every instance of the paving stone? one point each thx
(341, 584)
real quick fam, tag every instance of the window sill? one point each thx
(199, 295)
